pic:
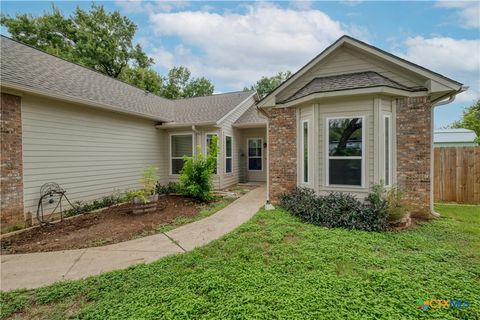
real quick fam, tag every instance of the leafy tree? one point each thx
(198, 87)
(267, 84)
(96, 39)
(470, 119)
(144, 78)
(179, 84)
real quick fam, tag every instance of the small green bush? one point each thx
(171, 187)
(394, 198)
(148, 181)
(130, 195)
(80, 207)
(197, 172)
(336, 210)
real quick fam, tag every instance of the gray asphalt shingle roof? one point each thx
(209, 108)
(32, 68)
(28, 67)
(251, 116)
(367, 79)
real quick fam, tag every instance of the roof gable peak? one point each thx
(364, 48)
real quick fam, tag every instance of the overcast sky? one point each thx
(235, 43)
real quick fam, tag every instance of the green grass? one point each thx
(205, 211)
(276, 267)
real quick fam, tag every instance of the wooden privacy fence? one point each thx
(457, 174)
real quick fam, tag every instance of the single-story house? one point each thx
(352, 116)
(454, 138)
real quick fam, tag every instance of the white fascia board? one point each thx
(77, 100)
(353, 92)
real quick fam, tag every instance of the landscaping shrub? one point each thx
(80, 207)
(130, 195)
(171, 187)
(197, 172)
(148, 181)
(397, 205)
(337, 209)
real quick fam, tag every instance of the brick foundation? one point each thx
(11, 162)
(414, 130)
(282, 144)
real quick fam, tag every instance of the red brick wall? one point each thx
(282, 144)
(11, 162)
(414, 130)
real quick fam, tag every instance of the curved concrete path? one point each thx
(34, 270)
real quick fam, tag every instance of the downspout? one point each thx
(436, 103)
(268, 205)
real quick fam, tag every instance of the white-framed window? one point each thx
(228, 154)
(181, 145)
(208, 143)
(305, 151)
(345, 151)
(254, 147)
(387, 150)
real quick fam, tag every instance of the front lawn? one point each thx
(276, 267)
(111, 225)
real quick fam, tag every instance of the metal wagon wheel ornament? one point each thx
(51, 193)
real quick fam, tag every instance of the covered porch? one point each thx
(252, 146)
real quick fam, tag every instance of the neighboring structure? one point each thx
(351, 117)
(454, 138)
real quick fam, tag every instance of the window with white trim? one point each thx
(208, 144)
(228, 154)
(254, 154)
(304, 144)
(180, 145)
(345, 151)
(387, 149)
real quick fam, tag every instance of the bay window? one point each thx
(345, 151)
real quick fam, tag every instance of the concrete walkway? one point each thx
(34, 270)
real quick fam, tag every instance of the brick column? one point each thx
(282, 144)
(414, 134)
(11, 162)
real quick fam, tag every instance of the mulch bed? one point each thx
(112, 225)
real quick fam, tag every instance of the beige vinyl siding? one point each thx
(228, 179)
(346, 60)
(90, 153)
(346, 108)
